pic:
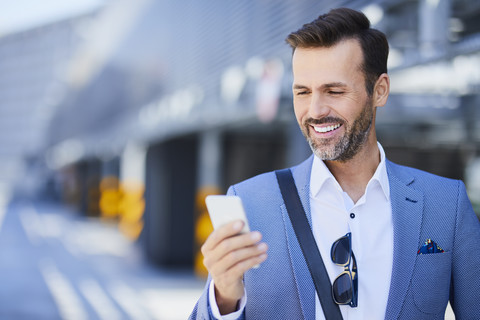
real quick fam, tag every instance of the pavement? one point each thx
(57, 264)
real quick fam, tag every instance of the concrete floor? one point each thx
(55, 264)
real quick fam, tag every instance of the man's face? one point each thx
(330, 100)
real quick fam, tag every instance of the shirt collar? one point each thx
(320, 175)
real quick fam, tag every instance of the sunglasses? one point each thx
(345, 286)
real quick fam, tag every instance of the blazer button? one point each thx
(352, 215)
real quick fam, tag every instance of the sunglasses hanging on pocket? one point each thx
(345, 286)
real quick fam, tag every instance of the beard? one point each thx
(348, 145)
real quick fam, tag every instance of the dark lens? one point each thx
(342, 289)
(341, 251)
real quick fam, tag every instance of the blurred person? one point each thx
(410, 239)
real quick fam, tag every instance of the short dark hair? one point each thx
(342, 24)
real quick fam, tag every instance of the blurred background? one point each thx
(117, 118)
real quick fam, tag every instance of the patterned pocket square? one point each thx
(430, 247)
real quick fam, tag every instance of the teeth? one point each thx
(326, 129)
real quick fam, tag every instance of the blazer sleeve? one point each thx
(202, 311)
(465, 288)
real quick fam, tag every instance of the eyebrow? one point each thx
(299, 87)
(323, 86)
(334, 85)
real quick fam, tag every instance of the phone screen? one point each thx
(225, 209)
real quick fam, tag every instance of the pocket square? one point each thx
(430, 247)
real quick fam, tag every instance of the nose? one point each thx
(318, 108)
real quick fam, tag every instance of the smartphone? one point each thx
(225, 209)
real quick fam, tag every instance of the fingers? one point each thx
(220, 234)
(238, 261)
(230, 246)
(226, 247)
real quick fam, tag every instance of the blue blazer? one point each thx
(424, 206)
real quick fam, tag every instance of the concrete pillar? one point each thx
(132, 189)
(433, 26)
(209, 182)
(209, 160)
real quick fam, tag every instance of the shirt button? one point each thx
(352, 215)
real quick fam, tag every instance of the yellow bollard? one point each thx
(110, 196)
(203, 227)
(132, 207)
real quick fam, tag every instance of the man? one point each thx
(414, 235)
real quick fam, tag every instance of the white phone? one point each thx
(225, 209)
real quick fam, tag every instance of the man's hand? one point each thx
(227, 256)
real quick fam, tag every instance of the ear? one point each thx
(381, 90)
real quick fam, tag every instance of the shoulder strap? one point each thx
(307, 243)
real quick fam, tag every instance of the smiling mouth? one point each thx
(327, 128)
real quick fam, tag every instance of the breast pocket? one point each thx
(431, 281)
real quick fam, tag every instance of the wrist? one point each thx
(225, 305)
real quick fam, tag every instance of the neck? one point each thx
(353, 175)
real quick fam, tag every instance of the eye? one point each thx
(335, 92)
(301, 93)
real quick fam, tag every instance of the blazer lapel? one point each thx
(407, 212)
(303, 280)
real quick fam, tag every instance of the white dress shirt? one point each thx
(372, 235)
(369, 220)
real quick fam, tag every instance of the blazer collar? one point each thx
(301, 175)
